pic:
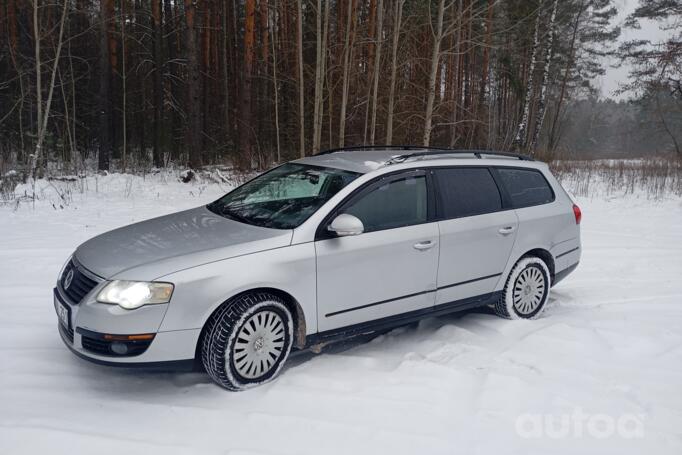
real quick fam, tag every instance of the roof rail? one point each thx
(419, 151)
(355, 148)
(477, 153)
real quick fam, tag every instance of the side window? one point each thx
(467, 191)
(398, 203)
(526, 187)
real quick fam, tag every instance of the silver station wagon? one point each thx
(346, 242)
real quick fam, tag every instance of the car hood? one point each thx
(159, 246)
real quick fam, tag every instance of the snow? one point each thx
(608, 351)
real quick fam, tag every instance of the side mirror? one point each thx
(345, 224)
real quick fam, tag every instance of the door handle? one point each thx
(423, 246)
(506, 230)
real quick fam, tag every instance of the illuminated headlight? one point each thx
(134, 294)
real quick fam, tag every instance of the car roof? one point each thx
(365, 160)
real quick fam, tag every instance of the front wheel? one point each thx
(527, 290)
(247, 341)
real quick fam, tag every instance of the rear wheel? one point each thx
(527, 290)
(247, 341)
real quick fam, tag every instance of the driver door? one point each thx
(389, 269)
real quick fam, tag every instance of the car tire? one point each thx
(526, 291)
(247, 341)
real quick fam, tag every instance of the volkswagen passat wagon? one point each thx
(346, 242)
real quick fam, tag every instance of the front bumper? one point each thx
(89, 322)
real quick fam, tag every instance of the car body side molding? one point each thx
(381, 302)
(401, 319)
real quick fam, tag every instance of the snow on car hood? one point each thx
(159, 246)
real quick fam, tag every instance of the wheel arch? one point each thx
(543, 254)
(290, 302)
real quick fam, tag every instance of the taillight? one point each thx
(578, 214)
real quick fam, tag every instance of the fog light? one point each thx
(119, 348)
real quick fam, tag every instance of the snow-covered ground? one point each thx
(600, 372)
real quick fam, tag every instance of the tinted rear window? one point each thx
(467, 192)
(526, 187)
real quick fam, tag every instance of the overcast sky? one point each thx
(650, 30)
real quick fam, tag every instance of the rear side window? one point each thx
(467, 192)
(526, 187)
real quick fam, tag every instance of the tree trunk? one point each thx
(204, 32)
(665, 124)
(170, 23)
(521, 131)
(225, 70)
(377, 62)
(480, 114)
(455, 76)
(435, 58)
(371, 41)
(540, 116)
(104, 101)
(12, 26)
(42, 127)
(158, 84)
(246, 123)
(346, 68)
(397, 13)
(124, 149)
(193, 130)
(320, 69)
(265, 32)
(39, 85)
(275, 85)
(318, 75)
(552, 140)
(301, 85)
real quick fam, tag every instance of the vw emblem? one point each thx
(68, 279)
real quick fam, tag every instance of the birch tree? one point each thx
(521, 131)
(44, 116)
(540, 115)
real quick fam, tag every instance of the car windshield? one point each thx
(284, 197)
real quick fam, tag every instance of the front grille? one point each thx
(66, 333)
(80, 283)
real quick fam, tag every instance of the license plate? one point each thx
(62, 313)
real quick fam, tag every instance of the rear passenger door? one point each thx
(545, 221)
(477, 233)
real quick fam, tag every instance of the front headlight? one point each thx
(134, 294)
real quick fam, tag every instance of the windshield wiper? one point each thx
(224, 210)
